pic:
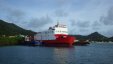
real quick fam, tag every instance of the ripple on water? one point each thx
(96, 53)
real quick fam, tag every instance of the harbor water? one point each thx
(95, 53)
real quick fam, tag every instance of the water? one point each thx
(96, 53)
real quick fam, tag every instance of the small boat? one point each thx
(81, 42)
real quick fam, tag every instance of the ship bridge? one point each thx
(60, 29)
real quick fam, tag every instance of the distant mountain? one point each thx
(92, 37)
(111, 38)
(12, 29)
(96, 36)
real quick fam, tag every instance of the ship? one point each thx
(55, 36)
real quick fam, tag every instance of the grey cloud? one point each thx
(80, 27)
(62, 3)
(39, 22)
(82, 24)
(16, 16)
(108, 20)
(84, 31)
(73, 23)
(20, 18)
(61, 13)
(12, 15)
(107, 31)
(96, 25)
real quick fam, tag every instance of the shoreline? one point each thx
(73, 45)
(100, 42)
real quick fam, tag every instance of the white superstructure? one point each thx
(58, 29)
(61, 29)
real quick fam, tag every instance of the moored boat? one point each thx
(56, 35)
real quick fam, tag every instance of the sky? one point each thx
(82, 17)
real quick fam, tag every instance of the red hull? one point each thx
(60, 40)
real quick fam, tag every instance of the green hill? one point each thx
(96, 37)
(12, 29)
(92, 37)
(111, 39)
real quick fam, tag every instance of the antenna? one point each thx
(57, 22)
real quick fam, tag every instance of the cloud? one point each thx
(80, 27)
(108, 20)
(16, 16)
(107, 31)
(85, 31)
(103, 26)
(62, 3)
(85, 14)
(82, 24)
(39, 23)
(61, 13)
(96, 25)
(11, 14)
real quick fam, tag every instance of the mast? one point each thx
(57, 22)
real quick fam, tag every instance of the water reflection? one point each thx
(92, 54)
(64, 55)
